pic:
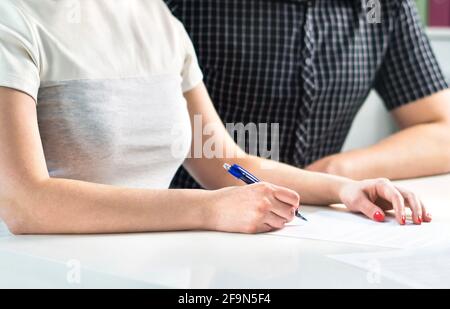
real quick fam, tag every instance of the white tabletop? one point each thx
(195, 259)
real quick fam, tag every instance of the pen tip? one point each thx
(298, 215)
(227, 166)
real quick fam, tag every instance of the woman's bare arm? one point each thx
(31, 202)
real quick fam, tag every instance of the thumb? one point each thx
(371, 210)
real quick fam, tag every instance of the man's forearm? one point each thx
(422, 150)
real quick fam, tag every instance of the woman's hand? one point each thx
(256, 208)
(374, 197)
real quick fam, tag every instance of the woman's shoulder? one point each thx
(9, 6)
(11, 13)
(14, 20)
(160, 13)
(163, 6)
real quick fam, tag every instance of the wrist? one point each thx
(338, 188)
(197, 210)
(208, 210)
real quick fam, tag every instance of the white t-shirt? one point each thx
(108, 78)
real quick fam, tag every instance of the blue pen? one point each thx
(241, 174)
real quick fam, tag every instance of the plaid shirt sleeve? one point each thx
(410, 70)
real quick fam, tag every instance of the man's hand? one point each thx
(374, 197)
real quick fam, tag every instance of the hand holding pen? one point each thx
(245, 176)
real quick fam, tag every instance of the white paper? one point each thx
(340, 226)
(427, 267)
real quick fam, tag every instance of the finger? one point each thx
(288, 214)
(371, 210)
(283, 210)
(386, 190)
(287, 196)
(425, 213)
(413, 202)
(265, 228)
(275, 221)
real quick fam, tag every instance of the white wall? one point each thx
(373, 122)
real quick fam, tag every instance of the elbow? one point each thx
(446, 146)
(16, 229)
(15, 216)
(16, 209)
(447, 160)
(439, 141)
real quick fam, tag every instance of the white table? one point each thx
(195, 259)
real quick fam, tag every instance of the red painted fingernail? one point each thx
(403, 220)
(419, 219)
(378, 216)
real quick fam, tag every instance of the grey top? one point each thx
(129, 132)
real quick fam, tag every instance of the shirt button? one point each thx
(308, 61)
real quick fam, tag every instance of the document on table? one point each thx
(340, 226)
(427, 267)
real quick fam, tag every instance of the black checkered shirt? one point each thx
(307, 65)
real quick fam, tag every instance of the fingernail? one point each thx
(403, 220)
(378, 216)
(419, 219)
(429, 216)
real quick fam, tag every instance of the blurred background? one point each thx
(373, 121)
